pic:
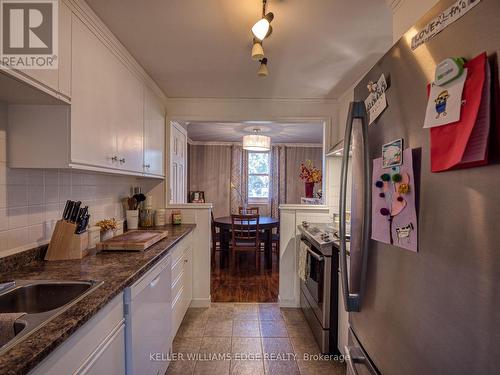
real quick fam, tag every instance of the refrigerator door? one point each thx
(436, 311)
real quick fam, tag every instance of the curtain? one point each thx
(239, 177)
(277, 180)
(210, 172)
(294, 157)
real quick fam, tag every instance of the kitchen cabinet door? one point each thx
(127, 115)
(58, 80)
(93, 138)
(154, 134)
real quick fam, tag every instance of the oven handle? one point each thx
(352, 299)
(316, 256)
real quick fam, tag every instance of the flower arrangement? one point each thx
(309, 173)
(107, 224)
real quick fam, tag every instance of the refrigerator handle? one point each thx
(352, 299)
(355, 355)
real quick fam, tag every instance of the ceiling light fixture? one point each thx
(256, 141)
(257, 50)
(263, 71)
(262, 28)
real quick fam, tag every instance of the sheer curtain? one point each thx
(277, 180)
(239, 177)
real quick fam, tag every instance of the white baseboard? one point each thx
(288, 302)
(200, 302)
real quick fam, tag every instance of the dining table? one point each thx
(266, 225)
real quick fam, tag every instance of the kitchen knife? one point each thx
(81, 214)
(67, 210)
(70, 209)
(82, 226)
(74, 212)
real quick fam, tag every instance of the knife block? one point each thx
(65, 244)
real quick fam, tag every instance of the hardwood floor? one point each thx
(244, 283)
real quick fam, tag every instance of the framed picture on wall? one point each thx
(196, 197)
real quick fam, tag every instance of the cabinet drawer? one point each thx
(177, 269)
(179, 309)
(177, 285)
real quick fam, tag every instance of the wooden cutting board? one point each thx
(135, 240)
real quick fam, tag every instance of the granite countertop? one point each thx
(117, 270)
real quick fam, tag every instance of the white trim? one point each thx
(288, 302)
(201, 302)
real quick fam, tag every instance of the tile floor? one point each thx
(248, 339)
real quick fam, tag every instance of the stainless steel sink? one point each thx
(41, 301)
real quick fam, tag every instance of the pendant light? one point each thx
(256, 141)
(263, 71)
(262, 28)
(257, 50)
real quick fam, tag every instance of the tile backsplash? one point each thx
(32, 200)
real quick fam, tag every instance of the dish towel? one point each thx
(7, 331)
(303, 261)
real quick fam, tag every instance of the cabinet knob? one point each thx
(122, 160)
(114, 158)
(147, 166)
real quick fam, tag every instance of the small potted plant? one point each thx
(108, 228)
(310, 175)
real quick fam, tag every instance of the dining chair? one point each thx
(245, 235)
(215, 237)
(248, 210)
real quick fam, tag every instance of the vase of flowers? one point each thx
(310, 175)
(108, 228)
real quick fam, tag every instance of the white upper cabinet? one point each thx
(107, 106)
(93, 139)
(116, 122)
(55, 81)
(154, 134)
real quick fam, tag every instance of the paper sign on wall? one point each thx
(446, 18)
(445, 103)
(376, 101)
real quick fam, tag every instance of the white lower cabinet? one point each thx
(98, 347)
(182, 282)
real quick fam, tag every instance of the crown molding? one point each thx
(203, 143)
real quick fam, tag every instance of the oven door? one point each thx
(316, 287)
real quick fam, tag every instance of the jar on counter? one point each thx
(146, 218)
(161, 217)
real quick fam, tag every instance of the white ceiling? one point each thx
(279, 132)
(199, 48)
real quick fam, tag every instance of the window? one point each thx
(258, 176)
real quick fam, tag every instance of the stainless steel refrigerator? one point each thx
(436, 311)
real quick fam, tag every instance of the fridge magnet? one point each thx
(394, 216)
(392, 153)
(376, 101)
(445, 102)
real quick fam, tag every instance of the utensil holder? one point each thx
(65, 244)
(132, 217)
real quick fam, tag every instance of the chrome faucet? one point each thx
(7, 285)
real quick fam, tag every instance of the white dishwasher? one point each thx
(147, 310)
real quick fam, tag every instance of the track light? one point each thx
(257, 50)
(263, 72)
(262, 28)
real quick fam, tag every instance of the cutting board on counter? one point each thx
(135, 240)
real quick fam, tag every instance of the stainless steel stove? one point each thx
(319, 287)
